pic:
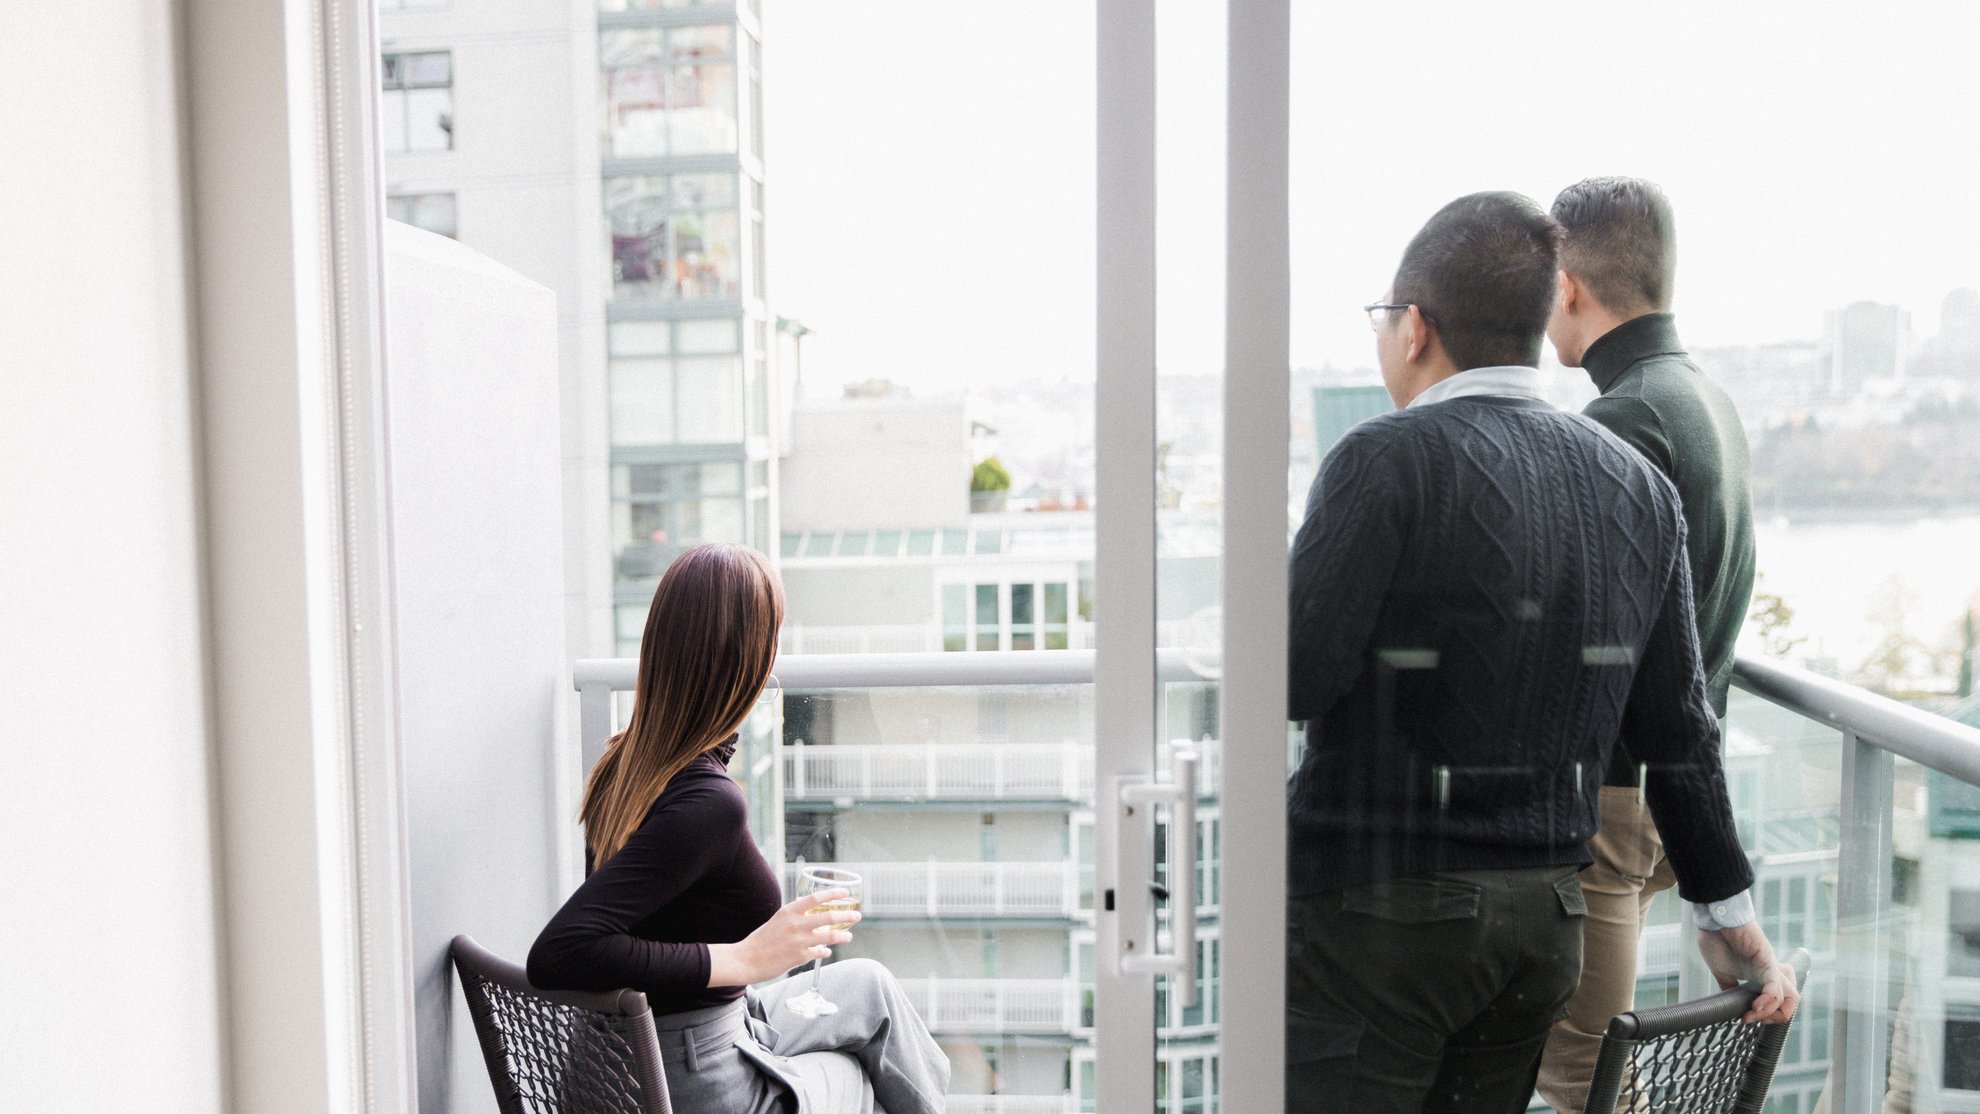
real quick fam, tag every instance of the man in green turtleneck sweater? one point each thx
(1612, 319)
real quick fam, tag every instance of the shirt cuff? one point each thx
(1729, 912)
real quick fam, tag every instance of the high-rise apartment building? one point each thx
(1867, 341)
(615, 156)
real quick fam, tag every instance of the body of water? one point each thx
(1842, 577)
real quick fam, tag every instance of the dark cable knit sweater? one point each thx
(1485, 593)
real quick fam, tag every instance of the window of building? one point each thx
(661, 510)
(416, 105)
(669, 91)
(434, 212)
(1963, 934)
(673, 236)
(756, 244)
(758, 387)
(1024, 617)
(1057, 631)
(1962, 1054)
(986, 617)
(676, 382)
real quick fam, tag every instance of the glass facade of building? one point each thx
(688, 330)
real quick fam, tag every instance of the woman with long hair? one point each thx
(679, 904)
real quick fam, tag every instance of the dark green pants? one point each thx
(1432, 992)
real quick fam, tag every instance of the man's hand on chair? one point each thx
(1743, 954)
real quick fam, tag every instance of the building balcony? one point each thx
(1059, 773)
(935, 889)
(1013, 1104)
(1017, 1007)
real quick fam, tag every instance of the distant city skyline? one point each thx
(949, 238)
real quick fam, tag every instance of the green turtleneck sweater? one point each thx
(1659, 402)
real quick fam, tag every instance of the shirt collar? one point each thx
(1511, 381)
(1614, 352)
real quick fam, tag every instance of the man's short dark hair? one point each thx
(1483, 270)
(1620, 241)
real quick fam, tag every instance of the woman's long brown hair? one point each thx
(711, 637)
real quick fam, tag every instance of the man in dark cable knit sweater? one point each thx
(1486, 592)
(1612, 319)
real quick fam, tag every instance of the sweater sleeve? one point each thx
(1343, 559)
(590, 945)
(1672, 731)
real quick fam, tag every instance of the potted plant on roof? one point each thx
(989, 486)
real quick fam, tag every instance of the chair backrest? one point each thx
(1691, 1058)
(560, 1052)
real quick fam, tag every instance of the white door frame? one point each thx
(1257, 387)
(1125, 686)
(1257, 315)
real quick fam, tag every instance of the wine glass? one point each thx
(816, 878)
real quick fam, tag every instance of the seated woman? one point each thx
(679, 904)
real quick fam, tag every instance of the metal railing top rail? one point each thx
(812, 672)
(1930, 740)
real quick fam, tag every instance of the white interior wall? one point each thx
(109, 947)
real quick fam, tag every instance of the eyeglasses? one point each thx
(1375, 323)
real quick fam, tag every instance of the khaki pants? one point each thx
(1629, 869)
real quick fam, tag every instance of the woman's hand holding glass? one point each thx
(797, 933)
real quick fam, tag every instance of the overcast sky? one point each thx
(931, 165)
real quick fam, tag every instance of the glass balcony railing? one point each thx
(960, 785)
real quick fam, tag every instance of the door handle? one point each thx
(1179, 792)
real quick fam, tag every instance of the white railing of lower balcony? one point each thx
(1018, 1006)
(953, 889)
(981, 771)
(1012, 1104)
(938, 771)
(1660, 950)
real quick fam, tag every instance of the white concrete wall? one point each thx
(867, 464)
(490, 789)
(109, 951)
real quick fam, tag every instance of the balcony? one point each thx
(1012, 1104)
(1061, 772)
(935, 889)
(1660, 950)
(1019, 1007)
(1861, 815)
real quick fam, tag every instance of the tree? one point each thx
(990, 475)
(1772, 616)
(1899, 655)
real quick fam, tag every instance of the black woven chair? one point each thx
(560, 1052)
(1691, 1058)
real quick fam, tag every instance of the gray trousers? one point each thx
(755, 1057)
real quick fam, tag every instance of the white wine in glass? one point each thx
(814, 879)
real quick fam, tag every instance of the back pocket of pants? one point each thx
(1414, 900)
